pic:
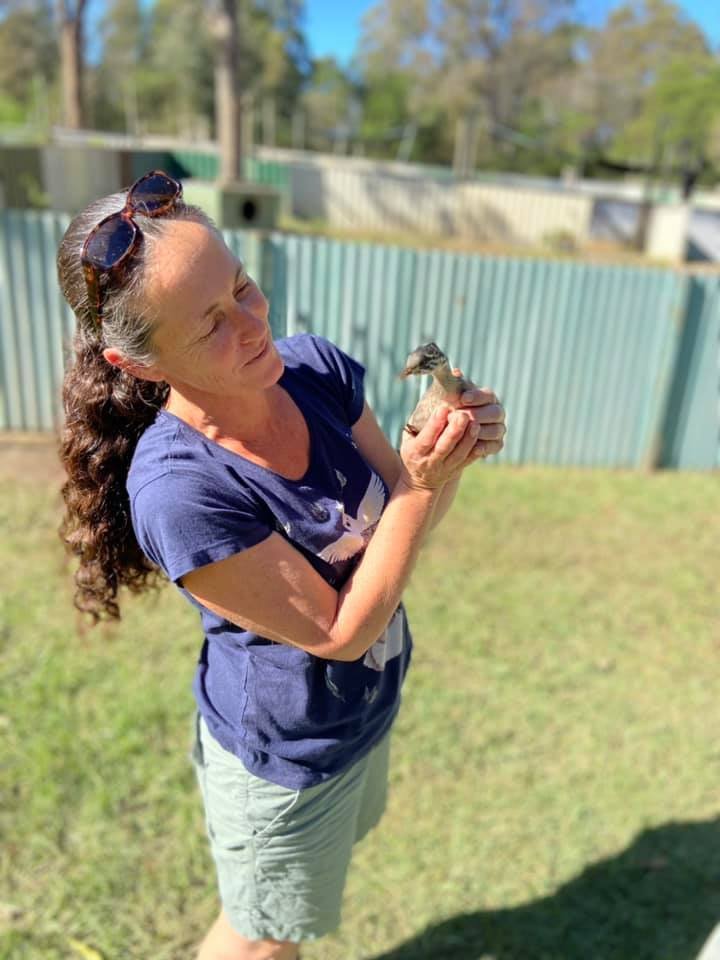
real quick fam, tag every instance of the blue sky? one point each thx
(333, 26)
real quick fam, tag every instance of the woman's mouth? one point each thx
(261, 353)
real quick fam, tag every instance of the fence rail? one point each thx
(609, 366)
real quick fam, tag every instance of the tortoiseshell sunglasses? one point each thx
(113, 241)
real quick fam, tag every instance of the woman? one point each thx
(254, 475)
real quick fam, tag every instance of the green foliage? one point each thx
(538, 88)
(627, 58)
(523, 86)
(328, 100)
(385, 112)
(11, 112)
(679, 113)
(133, 89)
(28, 49)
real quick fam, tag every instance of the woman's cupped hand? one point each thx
(454, 438)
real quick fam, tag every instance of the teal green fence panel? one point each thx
(581, 355)
(35, 322)
(691, 432)
(204, 166)
(271, 174)
(597, 365)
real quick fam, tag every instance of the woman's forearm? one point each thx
(370, 597)
(444, 502)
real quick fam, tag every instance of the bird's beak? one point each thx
(411, 367)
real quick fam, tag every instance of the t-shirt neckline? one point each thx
(250, 464)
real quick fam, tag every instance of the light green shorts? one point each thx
(282, 855)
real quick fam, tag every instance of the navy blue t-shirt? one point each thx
(291, 717)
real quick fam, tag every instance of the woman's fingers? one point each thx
(452, 439)
(479, 397)
(485, 448)
(492, 431)
(436, 423)
(490, 413)
(458, 439)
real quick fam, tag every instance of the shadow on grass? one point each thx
(658, 900)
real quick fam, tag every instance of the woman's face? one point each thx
(212, 335)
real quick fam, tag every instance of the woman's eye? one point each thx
(239, 291)
(216, 323)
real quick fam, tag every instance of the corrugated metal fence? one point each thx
(596, 365)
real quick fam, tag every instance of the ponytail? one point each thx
(106, 411)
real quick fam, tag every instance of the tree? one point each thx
(223, 25)
(70, 15)
(327, 101)
(28, 57)
(623, 62)
(386, 115)
(478, 61)
(175, 83)
(124, 34)
(679, 118)
(276, 29)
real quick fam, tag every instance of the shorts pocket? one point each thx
(269, 807)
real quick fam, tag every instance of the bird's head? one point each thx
(426, 359)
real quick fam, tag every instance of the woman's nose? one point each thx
(251, 316)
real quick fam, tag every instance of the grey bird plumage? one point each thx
(445, 387)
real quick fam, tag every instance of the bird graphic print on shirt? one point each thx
(354, 538)
(357, 530)
(388, 646)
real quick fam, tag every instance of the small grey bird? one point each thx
(446, 386)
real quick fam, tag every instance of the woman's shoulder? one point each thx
(327, 369)
(170, 453)
(308, 350)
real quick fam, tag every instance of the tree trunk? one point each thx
(130, 105)
(70, 27)
(298, 130)
(462, 136)
(269, 121)
(408, 142)
(247, 121)
(646, 205)
(224, 28)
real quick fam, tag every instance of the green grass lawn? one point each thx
(556, 766)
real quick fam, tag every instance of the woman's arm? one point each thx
(444, 502)
(273, 590)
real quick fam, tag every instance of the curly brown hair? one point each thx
(106, 410)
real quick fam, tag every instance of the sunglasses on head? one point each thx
(110, 245)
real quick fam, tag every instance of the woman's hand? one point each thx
(441, 450)
(486, 411)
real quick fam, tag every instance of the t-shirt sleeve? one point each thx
(185, 521)
(346, 374)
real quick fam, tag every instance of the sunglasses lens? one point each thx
(153, 193)
(110, 242)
